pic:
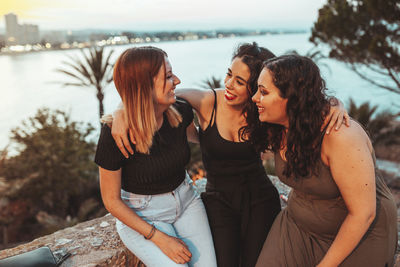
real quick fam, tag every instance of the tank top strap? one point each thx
(323, 132)
(214, 111)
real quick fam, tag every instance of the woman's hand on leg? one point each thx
(173, 247)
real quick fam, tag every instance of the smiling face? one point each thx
(236, 92)
(271, 106)
(164, 85)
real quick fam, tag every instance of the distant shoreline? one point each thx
(84, 45)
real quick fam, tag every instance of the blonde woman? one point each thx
(148, 193)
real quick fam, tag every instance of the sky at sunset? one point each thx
(163, 14)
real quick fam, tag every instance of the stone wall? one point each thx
(92, 243)
(96, 242)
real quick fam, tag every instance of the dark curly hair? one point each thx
(299, 81)
(253, 56)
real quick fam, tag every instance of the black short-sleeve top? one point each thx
(160, 171)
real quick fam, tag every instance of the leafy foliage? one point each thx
(92, 70)
(382, 127)
(55, 161)
(366, 35)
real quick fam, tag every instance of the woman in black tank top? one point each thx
(241, 201)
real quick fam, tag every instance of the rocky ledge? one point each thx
(96, 243)
(92, 243)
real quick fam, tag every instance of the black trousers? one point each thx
(240, 212)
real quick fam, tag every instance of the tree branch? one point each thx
(389, 88)
(376, 70)
(393, 78)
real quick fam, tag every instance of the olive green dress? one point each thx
(303, 232)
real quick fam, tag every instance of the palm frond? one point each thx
(108, 68)
(316, 55)
(73, 75)
(211, 83)
(75, 84)
(381, 126)
(89, 70)
(80, 69)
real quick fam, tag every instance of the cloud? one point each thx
(31, 9)
(109, 14)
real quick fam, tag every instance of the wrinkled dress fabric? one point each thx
(303, 232)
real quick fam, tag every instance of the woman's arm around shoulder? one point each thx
(349, 156)
(201, 100)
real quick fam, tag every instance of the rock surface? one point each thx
(96, 243)
(92, 243)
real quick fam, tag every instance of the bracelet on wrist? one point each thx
(151, 234)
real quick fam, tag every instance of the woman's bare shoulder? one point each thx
(346, 138)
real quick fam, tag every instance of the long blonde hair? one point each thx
(134, 74)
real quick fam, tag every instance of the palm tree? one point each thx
(211, 83)
(314, 54)
(92, 70)
(382, 127)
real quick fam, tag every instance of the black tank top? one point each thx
(225, 158)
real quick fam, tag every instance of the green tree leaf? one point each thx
(364, 34)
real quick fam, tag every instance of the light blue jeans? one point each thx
(179, 213)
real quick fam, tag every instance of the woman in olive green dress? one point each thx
(340, 212)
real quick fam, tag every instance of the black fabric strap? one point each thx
(214, 111)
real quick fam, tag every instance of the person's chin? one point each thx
(262, 118)
(172, 100)
(235, 103)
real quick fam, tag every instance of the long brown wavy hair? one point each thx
(253, 56)
(134, 74)
(299, 81)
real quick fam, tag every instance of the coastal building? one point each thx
(17, 34)
(2, 40)
(54, 37)
(30, 34)
(12, 29)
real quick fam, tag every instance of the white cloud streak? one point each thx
(136, 14)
